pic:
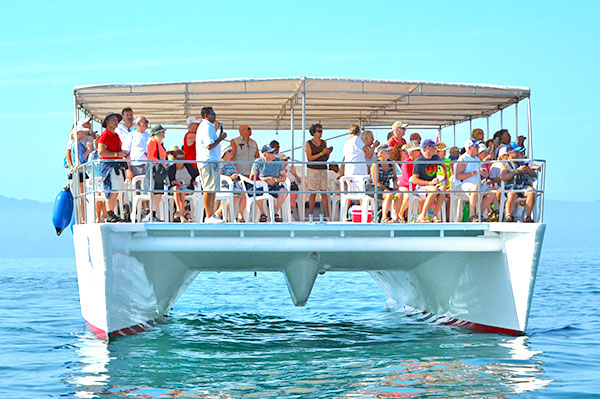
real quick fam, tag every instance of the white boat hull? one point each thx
(475, 275)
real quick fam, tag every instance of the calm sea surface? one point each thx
(236, 335)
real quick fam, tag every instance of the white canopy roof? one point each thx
(335, 103)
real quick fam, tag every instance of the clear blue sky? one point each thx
(50, 47)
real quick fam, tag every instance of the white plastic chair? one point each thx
(169, 203)
(220, 196)
(354, 185)
(138, 197)
(414, 202)
(260, 196)
(93, 185)
(286, 208)
(459, 200)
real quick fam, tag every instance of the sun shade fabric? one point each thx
(335, 103)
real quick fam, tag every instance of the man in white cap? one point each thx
(398, 131)
(189, 140)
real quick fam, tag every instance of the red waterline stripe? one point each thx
(123, 332)
(482, 328)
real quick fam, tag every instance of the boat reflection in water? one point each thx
(269, 357)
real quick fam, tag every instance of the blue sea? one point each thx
(238, 336)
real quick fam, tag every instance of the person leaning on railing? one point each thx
(109, 148)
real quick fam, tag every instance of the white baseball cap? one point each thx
(192, 119)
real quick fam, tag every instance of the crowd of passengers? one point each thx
(425, 169)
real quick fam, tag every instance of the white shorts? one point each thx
(117, 182)
(466, 186)
(210, 175)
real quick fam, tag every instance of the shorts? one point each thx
(138, 169)
(275, 187)
(316, 179)
(117, 181)
(520, 194)
(81, 176)
(466, 186)
(210, 176)
(421, 192)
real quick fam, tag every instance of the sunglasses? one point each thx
(320, 131)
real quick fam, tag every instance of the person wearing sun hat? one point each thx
(398, 131)
(109, 148)
(158, 170)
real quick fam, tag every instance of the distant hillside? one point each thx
(27, 231)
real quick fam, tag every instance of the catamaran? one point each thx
(477, 275)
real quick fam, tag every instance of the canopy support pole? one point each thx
(501, 119)
(454, 133)
(487, 130)
(517, 120)
(529, 135)
(292, 132)
(303, 208)
(470, 126)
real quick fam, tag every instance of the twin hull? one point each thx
(480, 276)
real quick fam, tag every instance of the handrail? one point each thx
(93, 191)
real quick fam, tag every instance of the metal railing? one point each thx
(92, 191)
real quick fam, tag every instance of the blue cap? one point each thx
(427, 142)
(268, 148)
(515, 147)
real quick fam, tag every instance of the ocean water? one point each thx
(238, 336)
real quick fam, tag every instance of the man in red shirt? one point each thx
(398, 131)
(109, 147)
(189, 140)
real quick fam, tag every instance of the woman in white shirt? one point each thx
(355, 150)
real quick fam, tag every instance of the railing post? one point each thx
(375, 204)
(93, 190)
(303, 208)
(151, 188)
